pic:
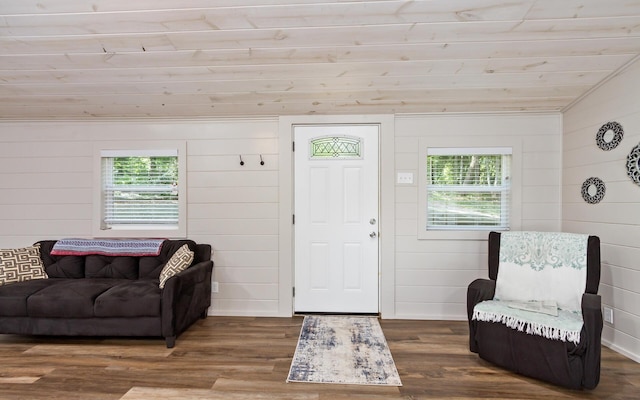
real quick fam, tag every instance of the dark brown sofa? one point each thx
(97, 295)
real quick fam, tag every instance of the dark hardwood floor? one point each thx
(249, 358)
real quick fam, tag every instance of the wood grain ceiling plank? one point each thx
(112, 16)
(312, 97)
(360, 68)
(73, 6)
(397, 52)
(446, 33)
(310, 15)
(65, 111)
(168, 82)
(600, 54)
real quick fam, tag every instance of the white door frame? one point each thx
(387, 206)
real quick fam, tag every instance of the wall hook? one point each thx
(241, 162)
(261, 160)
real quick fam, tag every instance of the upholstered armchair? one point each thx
(539, 313)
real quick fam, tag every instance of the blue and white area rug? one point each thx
(343, 350)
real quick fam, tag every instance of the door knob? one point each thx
(372, 221)
(373, 234)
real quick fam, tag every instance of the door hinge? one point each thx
(294, 291)
(293, 219)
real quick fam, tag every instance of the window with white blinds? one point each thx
(468, 188)
(140, 189)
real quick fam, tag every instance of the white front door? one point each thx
(336, 218)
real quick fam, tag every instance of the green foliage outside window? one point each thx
(465, 170)
(469, 190)
(141, 190)
(145, 170)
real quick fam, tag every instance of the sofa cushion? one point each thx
(71, 267)
(60, 266)
(19, 265)
(139, 298)
(71, 298)
(179, 261)
(121, 267)
(13, 297)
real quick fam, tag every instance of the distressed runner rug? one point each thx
(343, 350)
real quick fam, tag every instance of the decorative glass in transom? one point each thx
(336, 147)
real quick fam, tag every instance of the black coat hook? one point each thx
(261, 160)
(241, 162)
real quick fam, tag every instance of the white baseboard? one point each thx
(620, 350)
(236, 313)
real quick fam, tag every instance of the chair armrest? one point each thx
(477, 291)
(185, 297)
(592, 330)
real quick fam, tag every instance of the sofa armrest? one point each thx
(185, 298)
(477, 291)
(196, 273)
(592, 317)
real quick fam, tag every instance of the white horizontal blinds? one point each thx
(140, 188)
(468, 188)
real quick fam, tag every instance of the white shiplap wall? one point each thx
(46, 192)
(432, 275)
(616, 219)
(46, 185)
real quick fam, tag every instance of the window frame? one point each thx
(142, 149)
(469, 143)
(502, 189)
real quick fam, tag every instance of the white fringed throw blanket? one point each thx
(539, 267)
(566, 326)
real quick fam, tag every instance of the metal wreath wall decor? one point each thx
(607, 141)
(633, 164)
(593, 190)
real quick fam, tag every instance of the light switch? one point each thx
(405, 178)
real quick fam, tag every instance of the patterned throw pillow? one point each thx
(178, 262)
(18, 265)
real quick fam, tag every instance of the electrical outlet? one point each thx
(607, 314)
(214, 287)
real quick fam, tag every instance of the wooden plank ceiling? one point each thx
(204, 58)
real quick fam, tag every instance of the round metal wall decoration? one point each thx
(609, 141)
(633, 164)
(593, 190)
